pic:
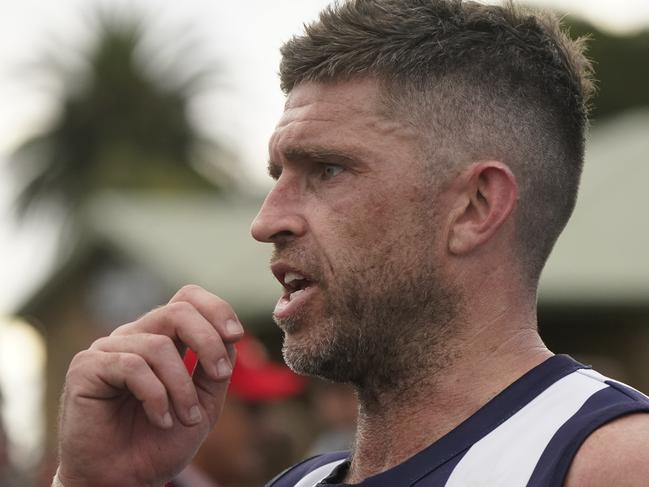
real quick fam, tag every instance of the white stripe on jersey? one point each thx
(602, 378)
(320, 473)
(507, 456)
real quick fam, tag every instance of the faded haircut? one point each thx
(479, 82)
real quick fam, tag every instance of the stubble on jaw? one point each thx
(384, 327)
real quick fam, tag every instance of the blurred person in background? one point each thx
(426, 162)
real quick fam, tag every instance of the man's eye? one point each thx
(330, 170)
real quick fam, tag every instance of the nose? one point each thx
(280, 218)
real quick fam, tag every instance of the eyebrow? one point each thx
(315, 155)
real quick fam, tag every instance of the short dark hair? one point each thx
(480, 81)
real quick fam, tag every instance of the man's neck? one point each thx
(394, 427)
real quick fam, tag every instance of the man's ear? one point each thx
(486, 193)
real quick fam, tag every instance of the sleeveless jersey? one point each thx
(527, 436)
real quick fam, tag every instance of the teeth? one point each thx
(289, 277)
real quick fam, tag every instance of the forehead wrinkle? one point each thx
(384, 126)
(357, 123)
(331, 108)
(373, 122)
(375, 138)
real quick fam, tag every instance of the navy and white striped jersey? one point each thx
(527, 436)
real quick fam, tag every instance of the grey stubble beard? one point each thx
(385, 336)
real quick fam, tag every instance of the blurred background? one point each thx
(132, 160)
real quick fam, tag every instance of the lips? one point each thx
(298, 287)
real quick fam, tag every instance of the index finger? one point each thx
(218, 312)
(221, 315)
(187, 327)
(214, 309)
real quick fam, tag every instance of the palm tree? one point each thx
(123, 122)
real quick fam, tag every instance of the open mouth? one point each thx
(298, 288)
(294, 284)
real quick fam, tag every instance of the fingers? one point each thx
(220, 314)
(94, 370)
(200, 321)
(161, 356)
(214, 309)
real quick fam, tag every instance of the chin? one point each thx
(306, 356)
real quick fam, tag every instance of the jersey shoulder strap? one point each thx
(535, 446)
(612, 402)
(309, 472)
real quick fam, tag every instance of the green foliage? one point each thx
(122, 122)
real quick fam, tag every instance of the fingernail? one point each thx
(167, 422)
(233, 327)
(195, 414)
(223, 368)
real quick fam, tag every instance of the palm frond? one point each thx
(119, 119)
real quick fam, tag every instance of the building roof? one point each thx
(191, 239)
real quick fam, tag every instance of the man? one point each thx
(428, 158)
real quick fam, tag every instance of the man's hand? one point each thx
(131, 413)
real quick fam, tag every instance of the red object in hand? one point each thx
(190, 360)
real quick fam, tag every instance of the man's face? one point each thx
(354, 220)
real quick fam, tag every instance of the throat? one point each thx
(403, 429)
(404, 413)
(392, 427)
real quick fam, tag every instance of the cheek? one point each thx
(361, 223)
(366, 233)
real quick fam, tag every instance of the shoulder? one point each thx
(615, 454)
